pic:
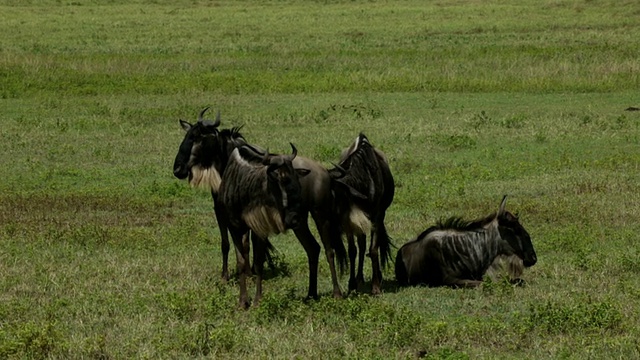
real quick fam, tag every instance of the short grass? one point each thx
(103, 254)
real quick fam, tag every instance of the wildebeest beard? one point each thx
(218, 148)
(264, 220)
(206, 178)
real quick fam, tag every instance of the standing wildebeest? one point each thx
(363, 189)
(202, 158)
(317, 200)
(458, 253)
(204, 155)
(262, 193)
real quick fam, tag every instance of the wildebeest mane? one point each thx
(250, 154)
(460, 224)
(233, 133)
(359, 166)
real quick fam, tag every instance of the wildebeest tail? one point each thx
(270, 254)
(338, 247)
(384, 243)
(401, 270)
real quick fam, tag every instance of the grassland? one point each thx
(103, 254)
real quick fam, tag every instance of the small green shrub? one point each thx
(444, 353)
(32, 340)
(513, 122)
(221, 337)
(337, 112)
(454, 142)
(630, 261)
(328, 153)
(587, 316)
(479, 120)
(281, 305)
(180, 305)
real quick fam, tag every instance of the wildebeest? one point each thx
(261, 193)
(202, 158)
(204, 155)
(363, 189)
(457, 253)
(316, 199)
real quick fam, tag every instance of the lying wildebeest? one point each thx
(262, 193)
(204, 155)
(457, 253)
(202, 158)
(363, 189)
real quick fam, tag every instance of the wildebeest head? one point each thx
(283, 181)
(515, 234)
(198, 137)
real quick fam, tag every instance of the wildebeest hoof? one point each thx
(518, 282)
(353, 286)
(243, 305)
(311, 298)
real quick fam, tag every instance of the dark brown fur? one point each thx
(363, 189)
(260, 193)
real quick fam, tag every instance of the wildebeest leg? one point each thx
(312, 248)
(224, 238)
(325, 235)
(259, 255)
(362, 248)
(353, 251)
(464, 283)
(376, 278)
(241, 243)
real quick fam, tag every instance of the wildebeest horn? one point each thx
(217, 122)
(294, 152)
(265, 158)
(201, 115)
(341, 171)
(208, 123)
(503, 204)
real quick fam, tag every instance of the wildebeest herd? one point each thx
(257, 194)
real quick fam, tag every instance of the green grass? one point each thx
(103, 254)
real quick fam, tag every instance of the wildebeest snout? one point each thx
(530, 259)
(180, 171)
(292, 220)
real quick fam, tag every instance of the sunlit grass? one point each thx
(248, 48)
(104, 254)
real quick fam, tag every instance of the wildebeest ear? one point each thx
(185, 125)
(352, 191)
(302, 172)
(503, 204)
(363, 138)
